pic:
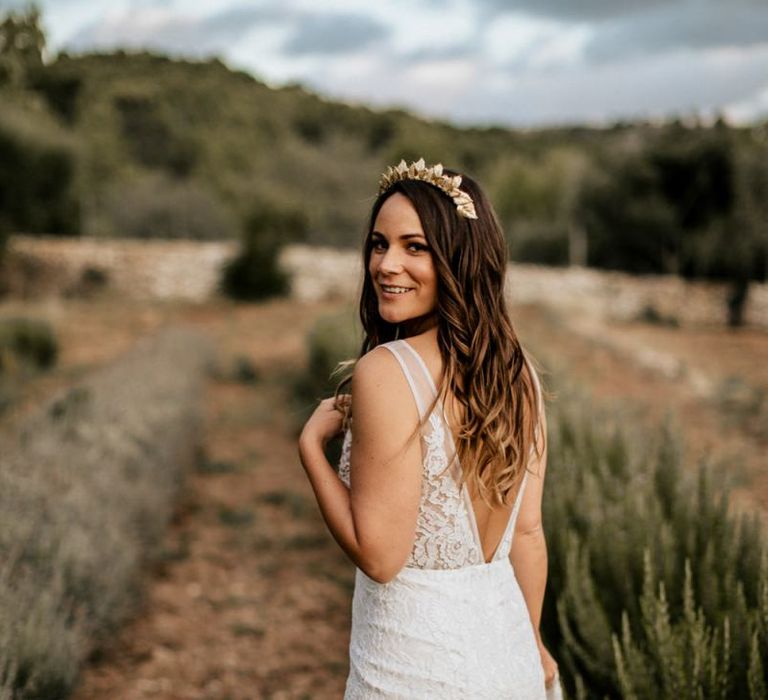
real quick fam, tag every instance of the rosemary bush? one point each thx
(656, 590)
(85, 494)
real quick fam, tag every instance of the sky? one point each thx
(518, 63)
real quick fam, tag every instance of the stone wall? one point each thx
(140, 269)
(190, 270)
(321, 272)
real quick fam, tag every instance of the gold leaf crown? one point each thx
(434, 176)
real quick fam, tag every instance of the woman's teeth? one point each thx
(396, 290)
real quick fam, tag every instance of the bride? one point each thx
(437, 500)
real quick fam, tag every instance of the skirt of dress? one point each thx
(447, 633)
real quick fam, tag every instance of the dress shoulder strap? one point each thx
(419, 379)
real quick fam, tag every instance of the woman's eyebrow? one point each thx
(404, 236)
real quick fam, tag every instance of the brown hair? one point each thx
(484, 362)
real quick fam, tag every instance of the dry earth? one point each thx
(252, 598)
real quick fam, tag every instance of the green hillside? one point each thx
(144, 120)
(145, 145)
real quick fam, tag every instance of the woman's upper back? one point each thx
(453, 530)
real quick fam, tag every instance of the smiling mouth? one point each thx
(392, 289)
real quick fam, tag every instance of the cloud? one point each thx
(679, 27)
(167, 29)
(568, 10)
(235, 21)
(749, 110)
(624, 28)
(155, 26)
(641, 87)
(333, 33)
(428, 54)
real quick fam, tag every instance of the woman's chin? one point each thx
(400, 313)
(390, 317)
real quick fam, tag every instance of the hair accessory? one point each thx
(434, 176)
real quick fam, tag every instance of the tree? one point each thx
(691, 201)
(255, 273)
(22, 43)
(746, 248)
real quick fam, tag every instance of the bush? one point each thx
(37, 176)
(655, 590)
(333, 339)
(255, 273)
(86, 491)
(153, 134)
(91, 281)
(27, 342)
(650, 314)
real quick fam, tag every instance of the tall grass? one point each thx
(85, 494)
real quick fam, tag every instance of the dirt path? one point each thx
(252, 599)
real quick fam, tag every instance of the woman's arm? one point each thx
(529, 548)
(374, 521)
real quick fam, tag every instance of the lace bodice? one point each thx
(447, 536)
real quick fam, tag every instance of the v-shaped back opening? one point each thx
(451, 451)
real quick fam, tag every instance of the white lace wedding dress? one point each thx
(449, 625)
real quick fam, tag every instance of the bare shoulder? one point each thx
(380, 390)
(375, 365)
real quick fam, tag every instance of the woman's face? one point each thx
(400, 263)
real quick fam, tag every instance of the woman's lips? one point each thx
(392, 294)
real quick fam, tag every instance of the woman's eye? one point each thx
(380, 245)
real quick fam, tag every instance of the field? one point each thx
(251, 599)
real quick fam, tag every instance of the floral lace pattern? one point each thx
(452, 634)
(444, 539)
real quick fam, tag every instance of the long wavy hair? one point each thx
(485, 366)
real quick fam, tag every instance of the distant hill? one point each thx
(148, 125)
(162, 147)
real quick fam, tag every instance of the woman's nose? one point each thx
(391, 261)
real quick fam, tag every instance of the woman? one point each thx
(445, 530)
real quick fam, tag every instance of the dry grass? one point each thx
(85, 493)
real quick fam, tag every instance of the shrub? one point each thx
(255, 273)
(153, 135)
(744, 405)
(332, 339)
(650, 314)
(29, 342)
(91, 281)
(655, 588)
(85, 493)
(37, 175)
